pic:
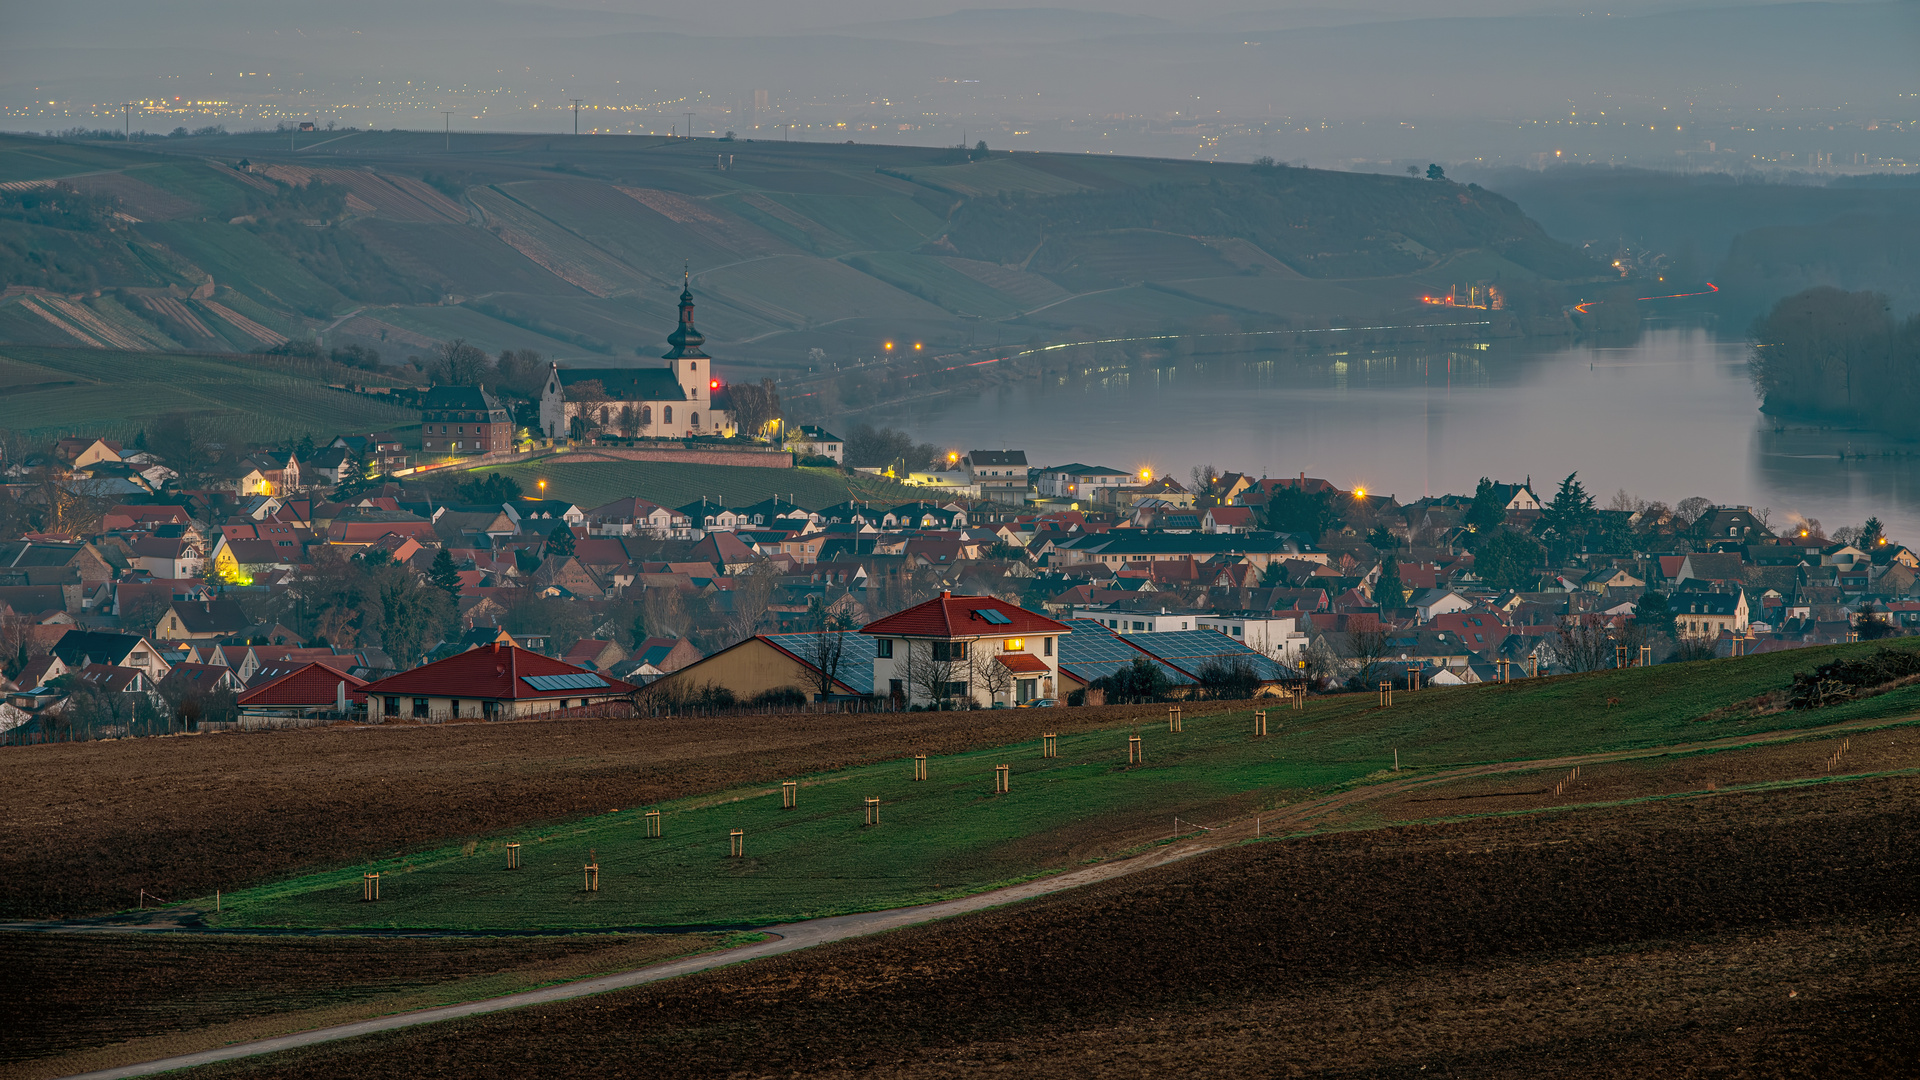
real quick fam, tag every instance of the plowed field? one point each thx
(91, 824)
(1760, 934)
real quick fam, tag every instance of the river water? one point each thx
(1667, 416)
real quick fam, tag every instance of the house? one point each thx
(202, 620)
(1732, 525)
(79, 648)
(463, 420)
(595, 655)
(1086, 483)
(1429, 603)
(493, 682)
(311, 693)
(663, 655)
(768, 663)
(636, 517)
(1228, 519)
(999, 475)
(1185, 657)
(682, 399)
(1708, 614)
(174, 558)
(975, 648)
(816, 441)
(205, 678)
(1272, 635)
(1131, 621)
(82, 452)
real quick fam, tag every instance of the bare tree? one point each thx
(1626, 503)
(456, 363)
(752, 596)
(754, 406)
(1689, 510)
(1205, 478)
(989, 674)
(1585, 644)
(824, 651)
(665, 613)
(1367, 653)
(931, 667)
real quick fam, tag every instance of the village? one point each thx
(308, 584)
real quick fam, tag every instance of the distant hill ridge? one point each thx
(573, 247)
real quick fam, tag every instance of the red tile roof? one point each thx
(948, 616)
(497, 672)
(1024, 663)
(311, 685)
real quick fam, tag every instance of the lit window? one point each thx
(1014, 644)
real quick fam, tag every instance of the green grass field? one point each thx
(952, 835)
(671, 484)
(52, 392)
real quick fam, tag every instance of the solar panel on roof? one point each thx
(989, 615)
(576, 681)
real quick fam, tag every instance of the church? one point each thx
(681, 400)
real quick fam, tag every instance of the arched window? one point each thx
(694, 419)
(646, 415)
(666, 412)
(693, 365)
(603, 416)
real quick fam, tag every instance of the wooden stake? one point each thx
(1002, 779)
(789, 794)
(1259, 723)
(873, 812)
(1135, 753)
(513, 856)
(1386, 694)
(591, 874)
(919, 766)
(1049, 745)
(369, 887)
(653, 824)
(1173, 719)
(1396, 759)
(737, 844)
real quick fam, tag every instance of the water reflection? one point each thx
(1669, 416)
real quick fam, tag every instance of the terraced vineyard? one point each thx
(796, 250)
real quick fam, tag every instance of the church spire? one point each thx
(686, 340)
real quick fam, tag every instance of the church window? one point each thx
(666, 411)
(694, 419)
(693, 365)
(603, 416)
(646, 414)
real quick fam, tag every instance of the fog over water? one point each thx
(1666, 417)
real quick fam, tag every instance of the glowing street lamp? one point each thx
(1360, 492)
(916, 346)
(1146, 476)
(888, 346)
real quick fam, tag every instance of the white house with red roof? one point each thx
(966, 648)
(492, 682)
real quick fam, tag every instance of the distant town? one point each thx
(174, 583)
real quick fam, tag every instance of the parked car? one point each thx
(1041, 703)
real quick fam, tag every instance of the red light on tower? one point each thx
(714, 385)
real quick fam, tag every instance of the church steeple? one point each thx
(686, 340)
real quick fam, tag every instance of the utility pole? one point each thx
(126, 122)
(689, 125)
(576, 115)
(449, 132)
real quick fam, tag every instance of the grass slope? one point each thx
(51, 392)
(952, 835)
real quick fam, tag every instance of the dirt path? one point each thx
(803, 935)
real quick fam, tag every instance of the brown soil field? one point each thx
(1884, 750)
(77, 1002)
(1737, 934)
(91, 824)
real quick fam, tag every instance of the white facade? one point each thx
(1276, 637)
(903, 667)
(1139, 622)
(1082, 482)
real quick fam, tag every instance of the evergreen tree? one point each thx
(560, 540)
(304, 450)
(1654, 613)
(1387, 591)
(1507, 560)
(1488, 509)
(1273, 577)
(1568, 516)
(444, 574)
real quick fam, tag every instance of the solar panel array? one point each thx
(579, 681)
(1093, 651)
(993, 617)
(1192, 649)
(856, 657)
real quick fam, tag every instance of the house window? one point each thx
(490, 710)
(1046, 646)
(419, 708)
(393, 706)
(1014, 644)
(956, 689)
(949, 650)
(883, 648)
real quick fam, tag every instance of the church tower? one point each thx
(691, 367)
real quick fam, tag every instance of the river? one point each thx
(1668, 416)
